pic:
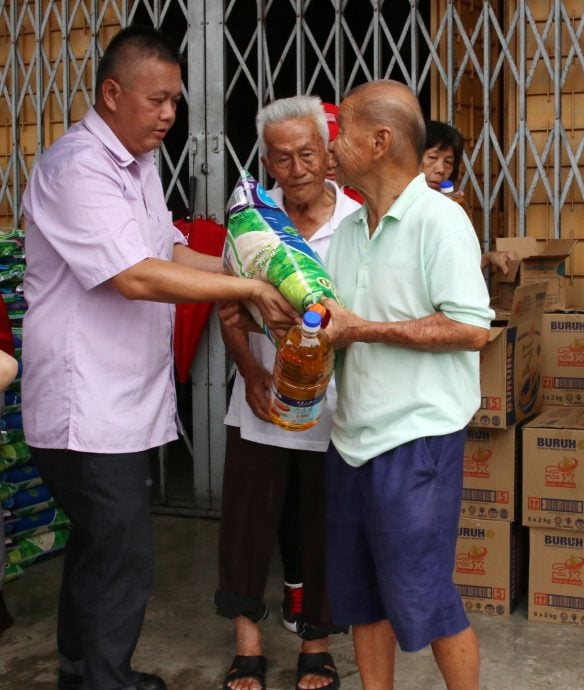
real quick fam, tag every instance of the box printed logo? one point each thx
(472, 562)
(477, 463)
(563, 474)
(572, 355)
(569, 572)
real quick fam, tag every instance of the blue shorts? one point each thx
(392, 526)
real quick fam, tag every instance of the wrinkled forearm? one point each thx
(436, 332)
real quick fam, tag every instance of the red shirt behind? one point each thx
(6, 340)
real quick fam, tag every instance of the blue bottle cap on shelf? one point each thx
(447, 186)
(311, 319)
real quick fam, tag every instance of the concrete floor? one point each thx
(187, 644)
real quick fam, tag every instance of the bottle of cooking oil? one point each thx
(302, 370)
(447, 187)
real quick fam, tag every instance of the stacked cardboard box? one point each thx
(562, 331)
(553, 462)
(35, 526)
(492, 488)
(521, 477)
(490, 568)
(535, 262)
(553, 509)
(511, 362)
(556, 589)
(562, 344)
(491, 556)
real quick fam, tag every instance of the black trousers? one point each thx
(107, 572)
(255, 483)
(289, 532)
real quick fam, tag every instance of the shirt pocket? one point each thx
(160, 235)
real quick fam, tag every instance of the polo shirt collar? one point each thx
(414, 189)
(101, 130)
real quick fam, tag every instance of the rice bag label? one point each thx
(262, 243)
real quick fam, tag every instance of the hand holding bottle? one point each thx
(344, 326)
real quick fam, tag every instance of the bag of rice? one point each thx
(31, 549)
(263, 243)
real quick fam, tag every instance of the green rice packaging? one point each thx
(263, 243)
(12, 571)
(33, 548)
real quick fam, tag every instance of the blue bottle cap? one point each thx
(311, 319)
(447, 186)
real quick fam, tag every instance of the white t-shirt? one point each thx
(240, 413)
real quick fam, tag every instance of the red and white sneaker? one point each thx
(292, 606)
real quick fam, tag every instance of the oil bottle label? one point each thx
(297, 412)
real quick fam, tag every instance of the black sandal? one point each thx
(320, 664)
(247, 667)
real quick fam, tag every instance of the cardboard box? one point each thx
(492, 477)
(556, 577)
(511, 363)
(490, 570)
(553, 469)
(562, 368)
(535, 263)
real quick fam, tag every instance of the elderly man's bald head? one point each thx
(388, 102)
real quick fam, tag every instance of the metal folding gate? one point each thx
(509, 75)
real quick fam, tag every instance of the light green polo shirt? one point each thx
(423, 258)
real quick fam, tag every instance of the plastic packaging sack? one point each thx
(11, 435)
(263, 243)
(31, 549)
(12, 453)
(7, 491)
(37, 523)
(26, 498)
(25, 477)
(12, 571)
(6, 463)
(15, 451)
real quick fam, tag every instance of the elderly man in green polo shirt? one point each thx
(407, 266)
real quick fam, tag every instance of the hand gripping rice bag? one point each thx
(263, 243)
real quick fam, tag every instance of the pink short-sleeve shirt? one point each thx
(97, 368)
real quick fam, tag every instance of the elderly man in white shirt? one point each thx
(260, 457)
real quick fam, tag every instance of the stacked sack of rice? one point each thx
(34, 526)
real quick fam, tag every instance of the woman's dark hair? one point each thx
(131, 44)
(443, 136)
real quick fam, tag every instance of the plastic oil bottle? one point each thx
(447, 187)
(302, 370)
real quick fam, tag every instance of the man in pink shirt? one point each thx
(104, 267)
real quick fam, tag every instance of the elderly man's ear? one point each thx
(382, 140)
